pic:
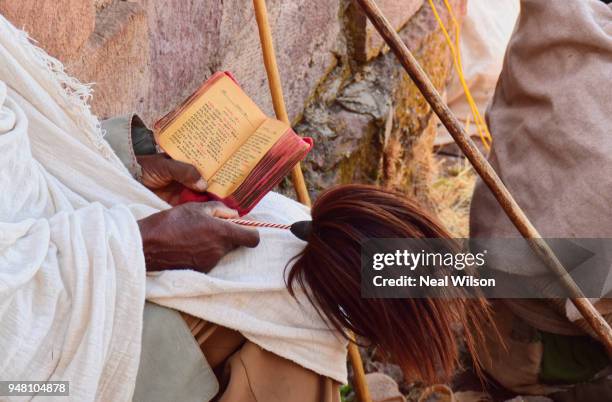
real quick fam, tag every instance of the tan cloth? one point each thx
(248, 373)
(552, 147)
(550, 121)
(512, 353)
(255, 375)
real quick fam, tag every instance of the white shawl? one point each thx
(72, 274)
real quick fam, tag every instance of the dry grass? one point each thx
(451, 193)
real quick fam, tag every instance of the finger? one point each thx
(219, 210)
(242, 236)
(185, 174)
(170, 193)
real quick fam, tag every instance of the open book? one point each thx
(240, 151)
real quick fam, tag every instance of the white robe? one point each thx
(72, 273)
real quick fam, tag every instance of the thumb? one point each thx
(219, 210)
(185, 174)
(242, 236)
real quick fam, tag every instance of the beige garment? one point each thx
(248, 373)
(512, 354)
(485, 32)
(550, 120)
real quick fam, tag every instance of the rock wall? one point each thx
(371, 123)
(341, 85)
(148, 55)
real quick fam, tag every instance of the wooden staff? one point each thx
(276, 90)
(359, 381)
(486, 172)
(267, 47)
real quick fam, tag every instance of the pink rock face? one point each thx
(115, 60)
(61, 26)
(149, 55)
(305, 35)
(184, 49)
(190, 40)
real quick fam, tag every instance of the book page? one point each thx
(212, 128)
(244, 160)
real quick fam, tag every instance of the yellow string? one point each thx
(480, 120)
(481, 125)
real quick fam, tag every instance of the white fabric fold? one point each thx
(246, 291)
(71, 276)
(72, 273)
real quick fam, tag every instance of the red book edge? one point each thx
(188, 195)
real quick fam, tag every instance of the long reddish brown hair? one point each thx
(417, 334)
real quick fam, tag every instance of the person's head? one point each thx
(417, 334)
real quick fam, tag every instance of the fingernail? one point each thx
(201, 184)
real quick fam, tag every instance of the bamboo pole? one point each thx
(267, 46)
(483, 168)
(269, 57)
(359, 381)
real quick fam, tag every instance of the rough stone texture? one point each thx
(369, 121)
(383, 388)
(100, 4)
(305, 34)
(115, 60)
(61, 26)
(184, 43)
(148, 55)
(365, 40)
(215, 35)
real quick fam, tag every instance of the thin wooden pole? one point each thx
(486, 172)
(359, 380)
(267, 47)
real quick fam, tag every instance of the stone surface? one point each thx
(383, 388)
(192, 39)
(61, 26)
(114, 59)
(184, 50)
(305, 34)
(369, 121)
(100, 4)
(366, 43)
(149, 55)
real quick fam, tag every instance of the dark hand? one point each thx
(166, 177)
(191, 236)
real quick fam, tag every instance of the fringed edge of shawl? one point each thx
(75, 94)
